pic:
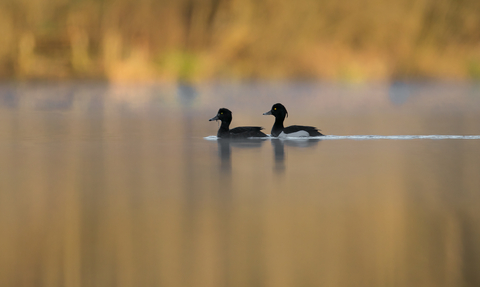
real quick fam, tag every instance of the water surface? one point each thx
(123, 185)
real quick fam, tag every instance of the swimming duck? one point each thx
(225, 116)
(279, 112)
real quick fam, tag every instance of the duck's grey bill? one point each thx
(215, 118)
(267, 113)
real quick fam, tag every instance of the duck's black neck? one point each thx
(279, 121)
(224, 128)
(278, 126)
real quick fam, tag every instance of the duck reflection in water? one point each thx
(279, 149)
(225, 150)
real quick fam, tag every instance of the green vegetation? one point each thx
(192, 40)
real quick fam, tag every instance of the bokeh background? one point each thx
(194, 40)
(106, 178)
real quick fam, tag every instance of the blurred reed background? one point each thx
(107, 184)
(192, 40)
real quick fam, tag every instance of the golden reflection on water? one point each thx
(104, 198)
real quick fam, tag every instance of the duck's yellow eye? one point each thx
(221, 113)
(274, 109)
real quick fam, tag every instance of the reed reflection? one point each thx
(103, 190)
(279, 150)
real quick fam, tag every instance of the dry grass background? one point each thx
(194, 40)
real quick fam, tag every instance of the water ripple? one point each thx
(402, 137)
(379, 137)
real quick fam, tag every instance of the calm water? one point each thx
(122, 185)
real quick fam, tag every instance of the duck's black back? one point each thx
(247, 132)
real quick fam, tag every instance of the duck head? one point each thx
(278, 111)
(224, 115)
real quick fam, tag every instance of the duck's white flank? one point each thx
(294, 135)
